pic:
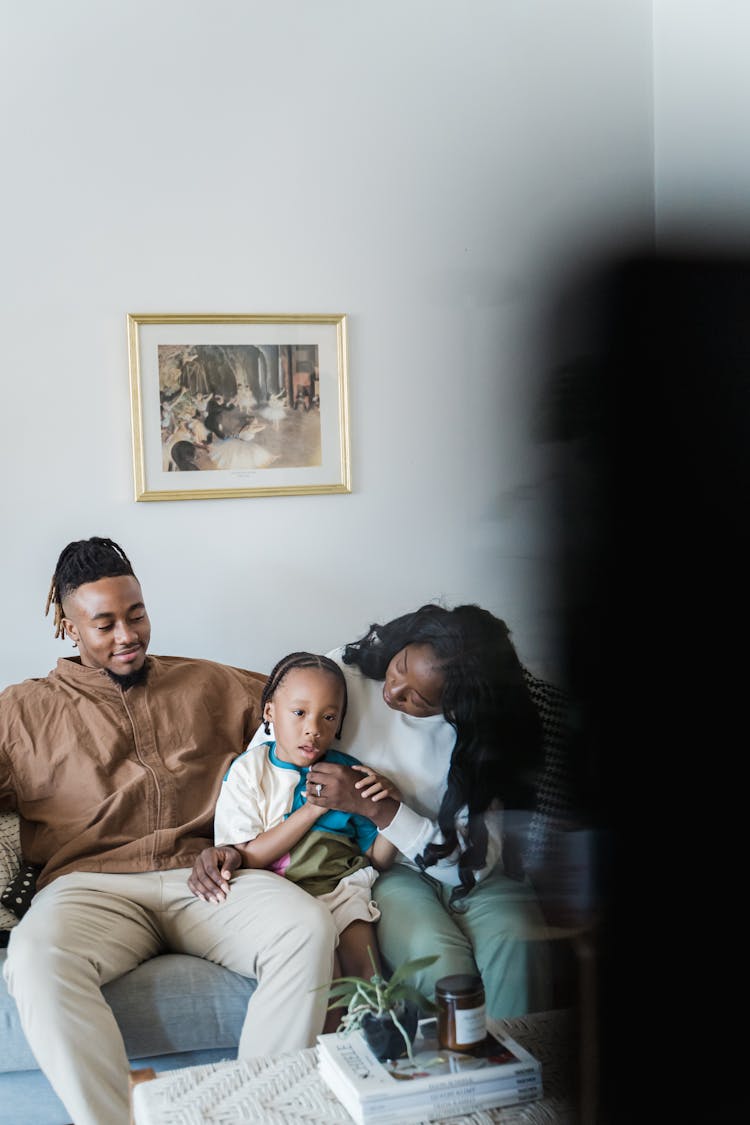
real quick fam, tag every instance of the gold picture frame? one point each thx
(227, 405)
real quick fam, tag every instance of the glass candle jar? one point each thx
(462, 1017)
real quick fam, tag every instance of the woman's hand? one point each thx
(212, 871)
(338, 790)
(375, 785)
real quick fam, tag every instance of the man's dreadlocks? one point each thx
(85, 560)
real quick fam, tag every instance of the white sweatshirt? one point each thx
(415, 753)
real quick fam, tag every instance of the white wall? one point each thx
(429, 167)
(701, 115)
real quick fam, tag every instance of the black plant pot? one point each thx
(383, 1036)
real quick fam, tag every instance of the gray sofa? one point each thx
(176, 1010)
(173, 1011)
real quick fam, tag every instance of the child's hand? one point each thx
(375, 785)
(314, 812)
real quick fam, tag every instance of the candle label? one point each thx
(471, 1025)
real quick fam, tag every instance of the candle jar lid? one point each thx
(460, 985)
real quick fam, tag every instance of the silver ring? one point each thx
(318, 788)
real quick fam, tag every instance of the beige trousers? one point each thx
(84, 930)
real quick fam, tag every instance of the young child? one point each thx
(262, 809)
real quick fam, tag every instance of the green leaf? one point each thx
(398, 992)
(342, 995)
(349, 980)
(410, 967)
(376, 993)
(418, 998)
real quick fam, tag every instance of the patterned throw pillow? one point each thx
(10, 863)
(18, 894)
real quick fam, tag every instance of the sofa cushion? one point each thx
(171, 1003)
(192, 1005)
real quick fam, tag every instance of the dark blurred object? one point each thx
(649, 398)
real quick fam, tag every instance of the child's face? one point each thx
(306, 713)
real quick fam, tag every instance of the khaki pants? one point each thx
(84, 930)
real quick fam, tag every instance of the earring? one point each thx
(74, 643)
(266, 727)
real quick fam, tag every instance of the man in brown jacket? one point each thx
(114, 761)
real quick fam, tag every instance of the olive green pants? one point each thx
(499, 934)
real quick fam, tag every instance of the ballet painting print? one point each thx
(238, 405)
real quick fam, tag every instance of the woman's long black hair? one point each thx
(498, 747)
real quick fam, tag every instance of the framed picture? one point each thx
(231, 405)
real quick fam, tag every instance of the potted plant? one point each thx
(385, 1011)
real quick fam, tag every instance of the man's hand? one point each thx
(212, 871)
(338, 790)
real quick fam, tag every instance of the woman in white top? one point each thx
(440, 711)
(438, 702)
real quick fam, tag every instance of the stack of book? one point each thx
(435, 1084)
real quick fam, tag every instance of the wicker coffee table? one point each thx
(287, 1090)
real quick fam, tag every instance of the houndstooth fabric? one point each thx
(554, 790)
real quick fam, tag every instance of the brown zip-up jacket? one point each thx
(120, 781)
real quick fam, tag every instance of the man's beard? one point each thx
(131, 678)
